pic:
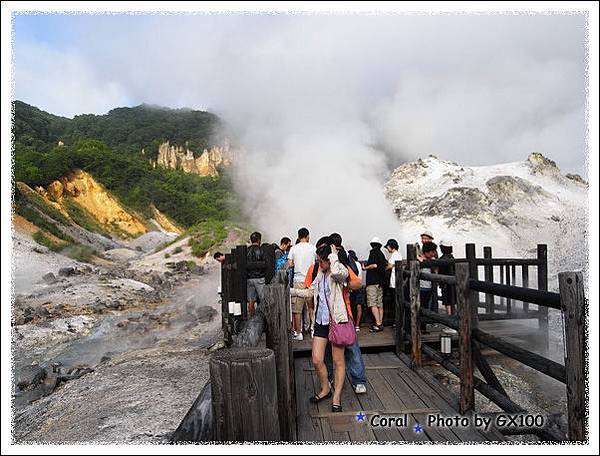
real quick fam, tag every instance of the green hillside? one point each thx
(109, 147)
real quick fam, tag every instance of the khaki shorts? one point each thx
(298, 302)
(374, 296)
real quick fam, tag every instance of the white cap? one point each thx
(376, 240)
(427, 233)
(445, 243)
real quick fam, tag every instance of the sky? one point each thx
(327, 100)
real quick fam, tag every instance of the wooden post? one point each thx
(415, 308)
(488, 272)
(503, 282)
(399, 314)
(241, 258)
(276, 311)
(244, 395)
(572, 298)
(542, 270)
(411, 252)
(226, 293)
(269, 252)
(463, 307)
(525, 280)
(473, 274)
(508, 282)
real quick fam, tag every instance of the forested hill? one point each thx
(130, 129)
(109, 147)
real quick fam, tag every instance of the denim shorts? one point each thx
(255, 289)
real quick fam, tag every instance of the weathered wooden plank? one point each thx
(529, 358)
(276, 324)
(312, 369)
(226, 294)
(435, 393)
(486, 369)
(572, 296)
(488, 271)
(509, 283)
(525, 284)
(399, 313)
(401, 386)
(329, 435)
(542, 281)
(240, 254)
(269, 253)
(308, 427)
(358, 431)
(380, 411)
(390, 400)
(463, 307)
(415, 305)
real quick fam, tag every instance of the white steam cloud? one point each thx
(316, 100)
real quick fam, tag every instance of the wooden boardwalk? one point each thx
(393, 389)
(521, 329)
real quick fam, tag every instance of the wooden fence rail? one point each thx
(571, 301)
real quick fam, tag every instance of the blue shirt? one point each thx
(322, 316)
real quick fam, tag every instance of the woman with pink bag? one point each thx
(333, 322)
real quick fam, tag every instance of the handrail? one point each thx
(531, 295)
(539, 297)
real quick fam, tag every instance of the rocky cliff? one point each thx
(207, 164)
(80, 198)
(511, 207)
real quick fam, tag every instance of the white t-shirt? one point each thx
(303, 255)
(395, 256)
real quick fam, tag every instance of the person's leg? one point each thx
(297, 305)
(359, 307)
(329, 362)
(251, 295)
(318, 354)
(372, 304)
(260, 289)
(355, 364)
(340, 373)
(297, 323)
(379, 306)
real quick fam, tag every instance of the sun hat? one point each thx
(427, 233)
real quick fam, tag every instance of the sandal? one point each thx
(316, 398)
(374, 328)
(336, 408)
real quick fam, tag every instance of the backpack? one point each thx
(282, 261)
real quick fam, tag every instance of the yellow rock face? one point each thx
(165, 223)
(81, 188)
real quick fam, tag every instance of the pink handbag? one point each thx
(342, 334)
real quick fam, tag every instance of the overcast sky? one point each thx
(475, 89)
(321, 102)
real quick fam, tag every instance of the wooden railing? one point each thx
(570, 301)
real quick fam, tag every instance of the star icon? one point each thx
(418, 428)
(360, 416)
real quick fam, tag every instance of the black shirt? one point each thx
(376, 276)
(255, 253)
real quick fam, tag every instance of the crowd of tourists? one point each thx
(331, 290)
